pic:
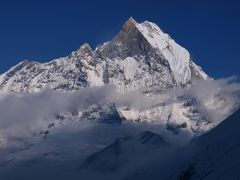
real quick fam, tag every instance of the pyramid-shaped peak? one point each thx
(130, 24)
(131, 20)
(146, 28)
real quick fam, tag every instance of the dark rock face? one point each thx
(111, 116)
(132, 41)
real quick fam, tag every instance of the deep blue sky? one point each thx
(46, 29)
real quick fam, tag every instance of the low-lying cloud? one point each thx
(217, 98)
(21, 114)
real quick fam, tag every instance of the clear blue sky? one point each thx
(46, 29)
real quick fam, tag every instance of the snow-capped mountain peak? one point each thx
(140, 57)
(142, 39)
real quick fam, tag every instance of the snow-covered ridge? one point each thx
(140, 56)
(177, 56)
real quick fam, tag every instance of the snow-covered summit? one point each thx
(140, 56)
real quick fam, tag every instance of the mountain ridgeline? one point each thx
(141, 56)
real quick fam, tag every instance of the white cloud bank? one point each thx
(24, 114)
